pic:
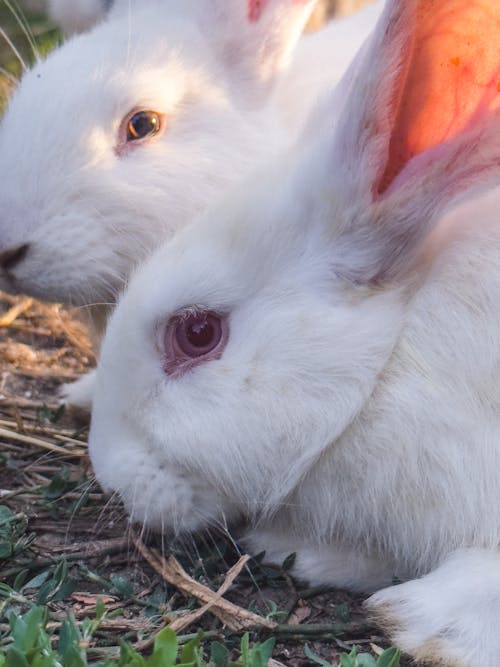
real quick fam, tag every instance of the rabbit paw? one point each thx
(449, 617)
(337, 565)
(79, 393)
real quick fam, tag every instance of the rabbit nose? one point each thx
(11, 257)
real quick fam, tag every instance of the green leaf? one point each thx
(389, 658)
(19, 580)
(42, 660)
(244, 649)
(188, 653)
(59, 485)
(219, 654)
(100, 609)
(315, 658)
(349, 660)
(365, 660)
(35, 620)
(45, 590)
(37, 581)
(263, 652)
(65, 590)
(6, 515)
(26, 628)
(43, 413)
(121, 585)
(74, 657)
(165, 649)
(129, 658)
(61, 571)
(68, 636)
(5, 549)
(15, 658)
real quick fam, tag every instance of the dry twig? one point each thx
(234, 617)
(42, 444)
(13, 313)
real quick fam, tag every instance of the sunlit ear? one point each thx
(256, 39)
(421, 123)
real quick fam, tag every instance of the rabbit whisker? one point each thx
(18, 14)
(11, 44)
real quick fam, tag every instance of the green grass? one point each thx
(31, 34)
(30, 644)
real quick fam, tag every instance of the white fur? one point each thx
(320, 60)
(90, 215)
(353, 416)
(451, 613)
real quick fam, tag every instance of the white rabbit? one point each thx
(80, 204)
(317, 356)
(82, 196)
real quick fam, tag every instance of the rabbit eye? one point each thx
(198, 334)
(192, 337)
(143, 124)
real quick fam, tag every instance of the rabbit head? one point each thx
(246, 346)
(125, 132)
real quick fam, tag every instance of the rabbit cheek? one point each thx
(170, 501)
(155, 492)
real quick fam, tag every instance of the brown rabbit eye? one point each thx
(193, 337)
(143, 124)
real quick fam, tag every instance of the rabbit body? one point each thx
(346, 404)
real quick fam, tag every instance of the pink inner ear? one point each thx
(453, 78)
(255, 8)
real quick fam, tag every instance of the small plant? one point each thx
(389, 658)
(13, 536)
(52, 415)
(32, 646)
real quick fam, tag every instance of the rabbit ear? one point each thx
(256, 39)
(422, 122)
(252, 39)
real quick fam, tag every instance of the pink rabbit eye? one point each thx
(198, 334)
(193, 337)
